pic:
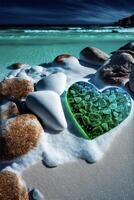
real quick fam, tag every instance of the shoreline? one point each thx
(60, 148)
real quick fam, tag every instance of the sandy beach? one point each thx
(57, 161)
(109, 179)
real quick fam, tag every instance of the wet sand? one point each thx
(109, 179)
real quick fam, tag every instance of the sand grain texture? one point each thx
(19, 135)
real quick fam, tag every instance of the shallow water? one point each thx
(43, 45)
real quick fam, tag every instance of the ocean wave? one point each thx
(58, 30)
(78, 34)
(70, 30)
(41, 31)
(82, 30)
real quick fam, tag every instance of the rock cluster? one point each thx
(20, 133)
(120, 66)
(118, 69)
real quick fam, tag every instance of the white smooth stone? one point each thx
(47, 105)
(23, 74)
(71, 60)
(55, 82)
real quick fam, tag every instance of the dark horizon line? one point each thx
(63, 25)
(55, 25)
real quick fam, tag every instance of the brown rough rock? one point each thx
(124, 51)
(118, 69)
(60, 59)
(129, 46)
(93, 55)
(7, 110)
(121, 58)
(11, 187)
(114, 74)
(18, 136)
(16, 87)
(19, 65)
(131, 80)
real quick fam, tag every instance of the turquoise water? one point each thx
(42, 46)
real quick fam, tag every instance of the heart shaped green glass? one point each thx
(95, 113)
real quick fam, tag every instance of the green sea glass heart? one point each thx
(94, 112)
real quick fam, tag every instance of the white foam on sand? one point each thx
(32, 157)
(66, 147)
(61, 147)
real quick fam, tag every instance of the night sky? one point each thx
(64, 11)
